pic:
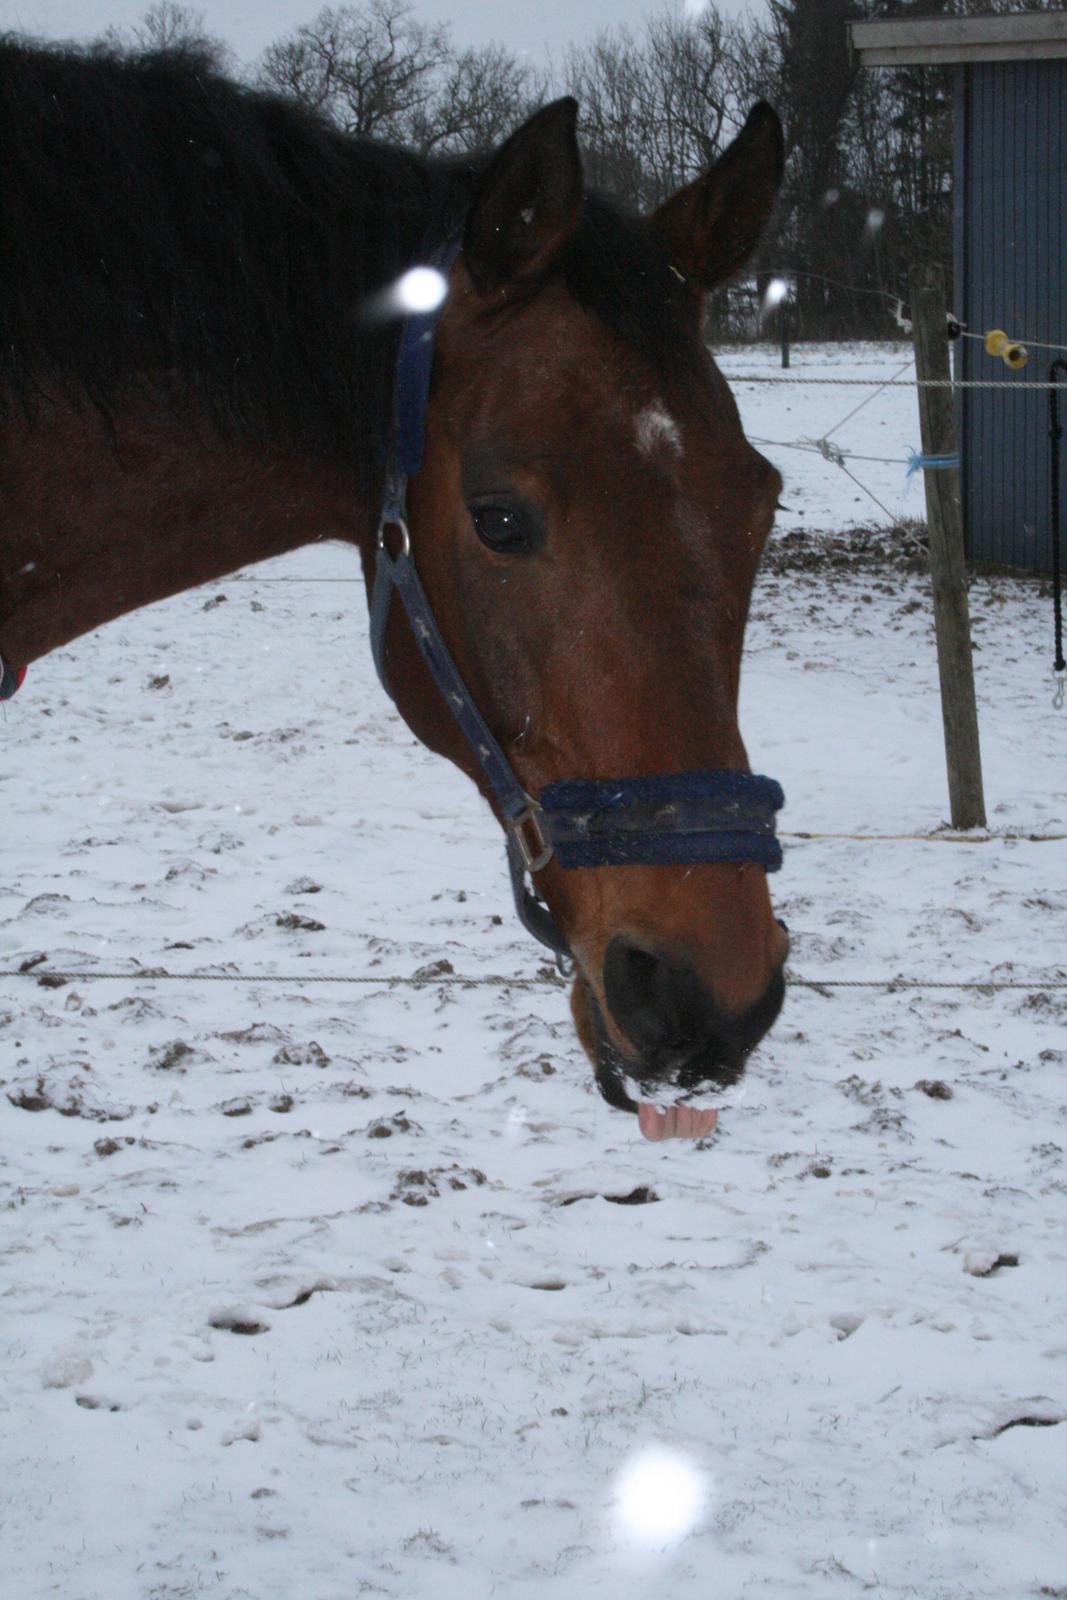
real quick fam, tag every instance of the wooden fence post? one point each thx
(952, 620)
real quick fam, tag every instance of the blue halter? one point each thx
(673, 818)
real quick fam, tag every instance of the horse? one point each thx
(206, 360)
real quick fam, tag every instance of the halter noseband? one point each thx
(673, 818)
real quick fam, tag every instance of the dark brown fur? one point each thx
(132, 467)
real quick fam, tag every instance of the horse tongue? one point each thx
(676, 1122)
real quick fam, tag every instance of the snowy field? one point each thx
(326, 1290)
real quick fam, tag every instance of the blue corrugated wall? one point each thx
(1011, 273)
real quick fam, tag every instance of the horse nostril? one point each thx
(672, 1020)
(662, 1007)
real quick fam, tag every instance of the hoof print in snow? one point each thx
(96, 1402)
(417, 1188)
(256, 1139)
(548, 1284)
(236, 1108)
(934, 1088)
(256, 1033)
(301, 1055)
(433, 969)
(845, 1324)
(429, 1542)
(29, 1099)
(641, 1196)
(65, 1369)
(385, 1127)
(984, 1263)
(110, 1147)
(250, 1433)
(301, 1299)
(237, 1322)
(1029, 1420)
(541, 1068)
(176, 1056)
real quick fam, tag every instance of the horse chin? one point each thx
(663, 1109)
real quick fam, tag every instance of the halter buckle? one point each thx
(529, 837)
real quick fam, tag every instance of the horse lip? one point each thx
(687, 1076)
(609, 1068)
(691, 1076)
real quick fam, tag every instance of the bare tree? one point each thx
(687, 70)
(370, 68)
(169, 25)
(653, 105)
(609, 80)
(480, 96)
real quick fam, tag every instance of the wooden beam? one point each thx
(948, 41)
(952, 622)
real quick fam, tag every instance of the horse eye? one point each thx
(506, 529)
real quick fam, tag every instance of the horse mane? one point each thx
(160, 222)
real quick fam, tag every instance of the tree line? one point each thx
(868, 184)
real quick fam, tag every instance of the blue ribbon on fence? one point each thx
(920, 463)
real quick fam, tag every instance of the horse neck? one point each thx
(107, 508)
(100, 516)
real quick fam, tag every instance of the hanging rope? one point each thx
(920, 463)
(814, 448)
(457, 980)
(1055, 434)
(866, 402)
(1005, 386)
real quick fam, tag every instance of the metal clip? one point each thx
(526, 830)
(405, 537)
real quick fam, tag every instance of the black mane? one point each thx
(156, 219)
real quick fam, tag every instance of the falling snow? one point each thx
(328, 1290)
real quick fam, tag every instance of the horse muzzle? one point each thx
(669, 1039)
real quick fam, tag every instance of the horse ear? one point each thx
(527, 203)
(713, 225)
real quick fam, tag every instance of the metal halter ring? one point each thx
(536, 851)
(405, 536)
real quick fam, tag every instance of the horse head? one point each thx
(587, 522)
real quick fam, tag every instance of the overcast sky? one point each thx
(525, 26)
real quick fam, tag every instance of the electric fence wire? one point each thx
(900, 305)
(545, 978)
(1005, 385)
(1031, 344)
(837, 455)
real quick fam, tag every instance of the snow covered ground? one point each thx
(326, 1289)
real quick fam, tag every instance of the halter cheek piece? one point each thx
(10, 679)
(672, 818)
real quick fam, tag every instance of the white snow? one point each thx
(325, 1289)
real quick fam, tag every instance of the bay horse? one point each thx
(196, 373)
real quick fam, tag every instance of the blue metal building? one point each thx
(1010, 77)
